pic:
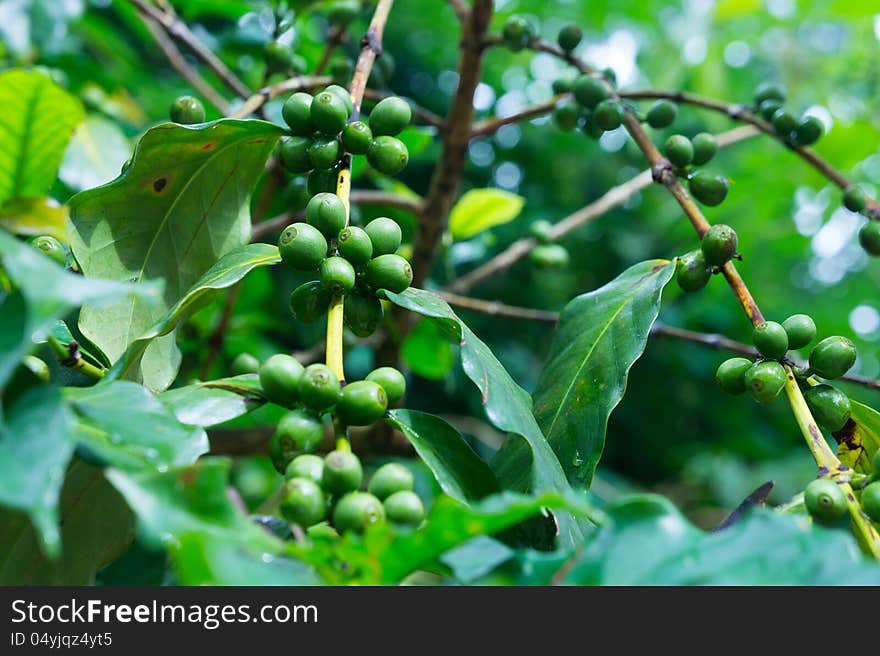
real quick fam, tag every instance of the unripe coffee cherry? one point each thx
(808, 131)
(869, 237)
(830, 407)
(390, 116)
(549, 256)
(187, 110)
(384, 234)
(871, 501)
(783, 122)
(404, 508)
(357, 138)
(302, 246)
(362, 403)
(357, 511)
(801, 330)
(705, 148)
(708, 188)
(730, 375)
(50, 247)
(245, 363)
(516, 33)
(279, 378)
(329, 113)
(342, 12)
(562, 85)
(342, 472)
(297, 432)
(389, 479)
(391, 380)
(608, 114)
(354, 245)
(542, 231)
(362, 313)
(589, 91)
(390, 272)
(661, 114)
(768, 108)
(679, 150)
(388, 155)
(770, 339)
(692, 272)
(337, 275)
(297, 113)
(854, 198)
(343, 94)
(719, 244)
(825, 501)
(569, 37)
(279, 57)
(324, 152)
(765, 380)
(302, 502)
(294, 154)
(832, 357)
(769, 91)
(307, 466)
(566, 114)
(309, 302)
(326, 213)
(318, 388)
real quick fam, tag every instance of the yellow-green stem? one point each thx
(70, 357)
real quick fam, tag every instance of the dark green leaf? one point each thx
(427, 352)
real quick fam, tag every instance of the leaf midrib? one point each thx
(26, 137)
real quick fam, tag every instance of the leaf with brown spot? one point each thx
(859, 440)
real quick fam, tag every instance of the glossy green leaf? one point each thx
(507, 406)
(96, 528)
(481, 209)
(599, 336)
(459, 471)
(34, 216)
(214, 402)
(95, 154)
(476, 558)
(157, 368)
(427, 352)
(180, 207)
(859, 440)
(38, 119)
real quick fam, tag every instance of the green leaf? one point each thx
(599, 337)
(34, 216)
(481, 209)
(476, 558)
(157, 367)
(214, 402)
(646, 541)
(96, 528)
(859, 440)
(507, 406)
(45, 293)
(124, 425)
(38, 119)
(459, 471)
(95, 154)
(34, 450)
(181, 206)
(427, 351)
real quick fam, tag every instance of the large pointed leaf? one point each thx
(859, 440)
(36, 123)
(216, 401)
(459, 471)
(46, 292)
(599, 336)
(181, 206)
(507, 406)
(158, 372)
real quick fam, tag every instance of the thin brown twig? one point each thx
(264, 95)
(492, 125)
(496, 309)
(460, 8)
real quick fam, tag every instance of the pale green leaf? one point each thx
(481, 209)
(34, 216)
(95, 154)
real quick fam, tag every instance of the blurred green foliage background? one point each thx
(674, 431)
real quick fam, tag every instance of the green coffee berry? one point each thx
(765, 380)
(307, 466)
(830, 407)
(342, 472)
(324, 152)
(302, 246)
(326, 213)
(679, 150)
(869, 237)
(384, 234)
(297, 432)
(569, 37)
(566, 114)
(187, 110)
(549, 256)
(562, 85)
(770, 339)
(390, 272)
(279, 378)
(769, 91)
(589, 91)
(297, 113)
(294, 154)
(589, 126)
(391, 380)
(343, 94)
(719, 244)
(357, 138)
(825, 501)
(337, 275)
(708, 188)
(388, 155)
(516, 33)
(404, 508)
(390, 116)
(808, 131)
(302, 502)
(854, 198)
(871, 501)
(329, 113)
(309, 302)
(279, 57)
(362, 403)
(357, 511)
(362, 313)
(783, 123)
(768, 108)
(832, 357)
(354, 245)
(730, 375)
(341, 69)
(245, 363)
(801, 330)
(318, 387)
(608, 114)
(705, 148)
(342, 12)
(389, 479)
(296, 194)
(692, 272)
(661, 114)
(542, 231)
(50, 247)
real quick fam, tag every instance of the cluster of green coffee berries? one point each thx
(855, 200)
(831, 358)
(590, 107)
(546, 254)
(684, 154)
(769, 103)
(350, 261)
(321, 134)
(827, 504)
(717, 248)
